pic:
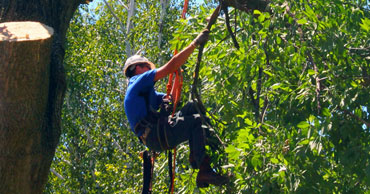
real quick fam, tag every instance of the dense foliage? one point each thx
(291, 104)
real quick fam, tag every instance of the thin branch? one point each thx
(255, 105)
(264, 109)
(56, 173)
(226, 11)
(60, 177)
(128, 27)
(364, 52)
(125, 6)
(259, 88)
(266, 102)
(228, 36)
(318, 84)
(363, 8)
(357, 118)
(120, 91)
(114, 15)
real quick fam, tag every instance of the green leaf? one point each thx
(267, 72)
(311, 72)
(233, 152)
(365, 25)
(256, 12)
(256, 162)
(326, 112)
(276, 86)
(248, 122)
(303, 124)
(274, 160)
(304, 142)
(302, 21)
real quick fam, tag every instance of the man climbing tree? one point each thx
(158, 131)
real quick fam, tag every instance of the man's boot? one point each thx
(207, 176)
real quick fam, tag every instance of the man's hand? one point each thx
(179, 59)
(202, 38)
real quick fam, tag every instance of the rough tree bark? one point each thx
(32, 94)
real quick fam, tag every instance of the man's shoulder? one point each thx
(146, 76)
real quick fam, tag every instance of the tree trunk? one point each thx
(24, 85)
(32, 87)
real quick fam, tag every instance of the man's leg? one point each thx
(184, 128)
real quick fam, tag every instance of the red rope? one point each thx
(177, 86)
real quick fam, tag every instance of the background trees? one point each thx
(291, 104)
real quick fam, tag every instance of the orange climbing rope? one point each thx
(176, 87)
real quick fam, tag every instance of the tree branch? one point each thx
(254, 102)
(317, 80)
(357, 118)
(194, 92)
(56, 173)
(114, 15)
(264, 109)
(259, 87)
(226, 11)
(125, 6)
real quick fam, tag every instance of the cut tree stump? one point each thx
(25, 49)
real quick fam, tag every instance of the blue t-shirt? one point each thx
(135, 105)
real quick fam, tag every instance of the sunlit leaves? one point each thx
(365, 24)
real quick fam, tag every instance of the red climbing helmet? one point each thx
(133, 60)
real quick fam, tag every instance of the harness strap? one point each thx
(148, 173)
(162, 135)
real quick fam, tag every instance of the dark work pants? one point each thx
(185, 126)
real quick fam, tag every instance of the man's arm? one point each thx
(181, 57)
